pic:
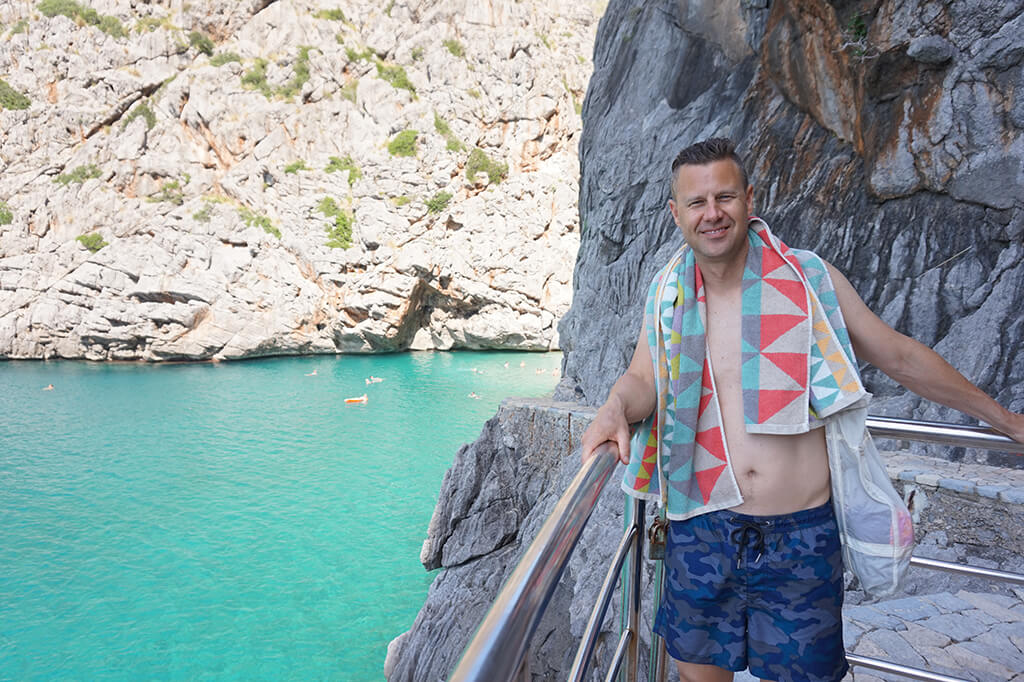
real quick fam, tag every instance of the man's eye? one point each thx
(695, 204)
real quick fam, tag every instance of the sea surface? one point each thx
(232, 520)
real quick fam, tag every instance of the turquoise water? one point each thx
(232, 520)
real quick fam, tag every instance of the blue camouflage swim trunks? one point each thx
(764, 592)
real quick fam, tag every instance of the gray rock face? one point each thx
(890, 144)
(217, 187)
(493, 501)
(899, 165)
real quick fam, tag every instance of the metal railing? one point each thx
(498, 651)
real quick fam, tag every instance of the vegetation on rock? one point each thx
(339, 234)
(222, 58)
(79, 175)
(395, 75)
(301, 75)
(202, 43)
(348, 91)
(6, 215)
(330, 14)
(204, 214)
(453, 144)
(11, 98)
(345, 163)
(295, 166)
(403, 144)
(438, 202)
(143, 110)
(251, 218)
(92, 241)
(150, 24)
(479, 162)
(357, 56)
(455, 47)
(256, 78)
(81, 13)
(170, 192)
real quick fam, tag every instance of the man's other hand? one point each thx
(609, 425)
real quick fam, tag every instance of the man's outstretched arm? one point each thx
(631, 399)
(916, 366)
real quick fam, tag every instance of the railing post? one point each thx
(634, 569)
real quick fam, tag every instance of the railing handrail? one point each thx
(500, 644)
(940, 432)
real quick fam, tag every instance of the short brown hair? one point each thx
(705, 152)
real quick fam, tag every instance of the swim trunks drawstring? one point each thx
(742, 536)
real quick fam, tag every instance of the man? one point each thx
(753, 567)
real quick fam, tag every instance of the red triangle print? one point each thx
(706, 392)
(793, 364)
(774, 326)
(712, 441)
(794, 291)
(770, 261)
(770, 402)
(706, 481)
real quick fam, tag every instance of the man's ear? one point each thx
(675, 210)
(750, 199)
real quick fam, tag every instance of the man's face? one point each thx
(711, 207)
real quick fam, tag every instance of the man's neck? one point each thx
(723, 275)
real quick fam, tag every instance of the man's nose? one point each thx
(712, 211)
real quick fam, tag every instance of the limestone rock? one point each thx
(222, 184)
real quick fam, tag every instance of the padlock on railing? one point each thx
(656, 536)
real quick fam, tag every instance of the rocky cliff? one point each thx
(236, 179)
(886, 136)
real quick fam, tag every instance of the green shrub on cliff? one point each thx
(251, 219)
(92, 241)
(256, 78)
(6, 215)
(395, 75)
(438, 202)
(82, 14)
(452, 143)
(345, 163)
(301, 74)
(295, 166)
(330, 14)
(201, 42)
(479, 162)
(170, 192)
(403, 144)
(11, 98)
(204, 214)
(79, 175)
(455, 47)
(222, 58)
(143, 110)
(339, 233)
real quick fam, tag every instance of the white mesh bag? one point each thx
(875, 527)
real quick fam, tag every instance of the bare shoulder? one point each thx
(873, 339)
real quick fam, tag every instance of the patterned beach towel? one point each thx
(797, 368)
